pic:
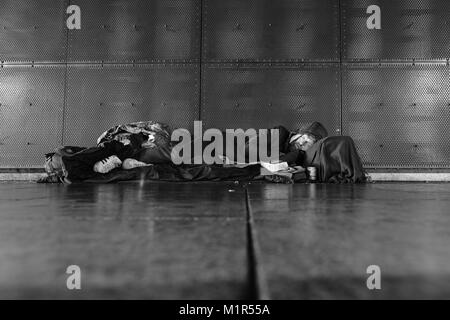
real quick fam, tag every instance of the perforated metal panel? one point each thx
(32, 30)
(270, 30)
(398, 115)
(101, 97)
(410, 29)
(262, 96)
(141, 30)
(31, 108)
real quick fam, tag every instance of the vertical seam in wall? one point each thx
(341, 87)
(200, 64)
(63, 128)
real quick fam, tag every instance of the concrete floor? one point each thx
(224, 240)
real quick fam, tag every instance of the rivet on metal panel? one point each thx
(408, 26)
(237, 105)
(237, 27)
(301, 28)
(166, 26)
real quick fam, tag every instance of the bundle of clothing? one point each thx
(142, 151)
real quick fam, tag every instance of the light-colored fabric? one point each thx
(157, 134)
(295, 137)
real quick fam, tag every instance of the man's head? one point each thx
(301, 141)
(307, 136)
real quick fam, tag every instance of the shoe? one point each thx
(133, 163)
(107, 164)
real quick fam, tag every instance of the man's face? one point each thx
(303, 142)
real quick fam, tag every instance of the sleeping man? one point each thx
(145, 147)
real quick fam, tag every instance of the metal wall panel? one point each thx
(33, 30)
(31, 109)
(410, 29)
(398, 115)
(262, 96)
(141, 30)
(270, 30)
(101, 97)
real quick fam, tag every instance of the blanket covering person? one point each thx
(335, 158)
(157, 134)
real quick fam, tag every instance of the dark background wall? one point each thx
(233, 63)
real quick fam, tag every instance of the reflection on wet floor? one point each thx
(318, 240)
(158, 241)
(188, 241)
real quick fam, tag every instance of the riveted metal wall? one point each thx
(31, 112)
(150, 52)
(397, 109)
(410, 29)
(270, 62)
(262, 96)
(234, 63)
(33, 30)
(101, 97)
(270, 30)
(398, 114)
(139, 30)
